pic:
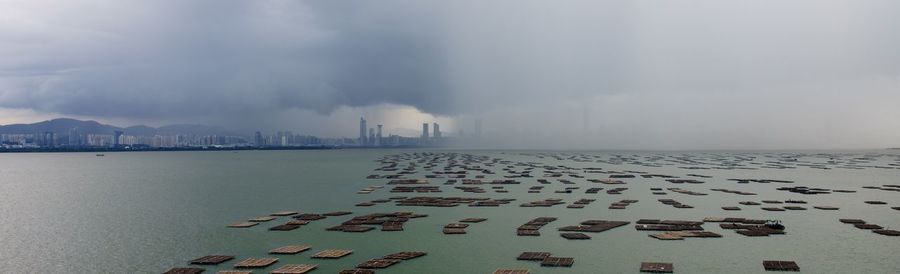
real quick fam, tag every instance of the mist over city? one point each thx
(533, 74)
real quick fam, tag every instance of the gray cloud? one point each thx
(183, 58)
(644, 70)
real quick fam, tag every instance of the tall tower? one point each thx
(378, 137)
(437, 130)
(362, 131)
(371, 136)
(118, 136)
(424, 131)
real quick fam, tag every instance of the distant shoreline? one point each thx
(105, 149)
(110, 149)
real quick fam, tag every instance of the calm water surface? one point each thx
(148, 212)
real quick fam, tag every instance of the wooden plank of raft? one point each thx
(256, 262)
(290, 249)
(657, 267)
(332, 253)
(211, 259)
(294, 269)
(184, 270)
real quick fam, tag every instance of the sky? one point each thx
(718, 74)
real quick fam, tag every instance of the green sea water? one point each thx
(146, 212)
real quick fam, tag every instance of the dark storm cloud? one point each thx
(181, 58)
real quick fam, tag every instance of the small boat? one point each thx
(774, 224)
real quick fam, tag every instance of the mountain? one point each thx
(64, 125)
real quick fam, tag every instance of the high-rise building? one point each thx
(437, 130)
(371, 136)
(117, 137)
(424, 131)
(362, 131)
(378, 137)
(258, 139)
(48, 139)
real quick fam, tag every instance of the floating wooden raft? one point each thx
(867, 226)
(472, 220)
(284, 213)
(290, 249)
(780, 266)
(357, 271)
(575, 236)
(262, 219)
(680, 235)
(826, 207)
(406, 255)
(294, 269)
(852, 221)
(284, 227)
(184, 270)
(657, 267)
(732, 208)
(454, 231)
(243, 225)
(511, 271)
(309, 217)
(456, 226)
(332, 254)
(594, 226)
(887, 232)
(256, 262)
(558, 261)
(533, 256)
(378, 263)
(212, 259)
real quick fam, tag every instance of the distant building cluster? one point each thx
(289, 139)
(373, 137)
(74, 139)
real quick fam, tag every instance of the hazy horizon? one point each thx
(556, 75)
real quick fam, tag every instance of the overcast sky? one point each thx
(544, 74)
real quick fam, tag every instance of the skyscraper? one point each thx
(362, 131)
(371, 136)
(258, 139)
(424, 131)
(378, 137)
(437, 130)
(117, 136)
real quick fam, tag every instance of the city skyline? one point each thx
(92, 134)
